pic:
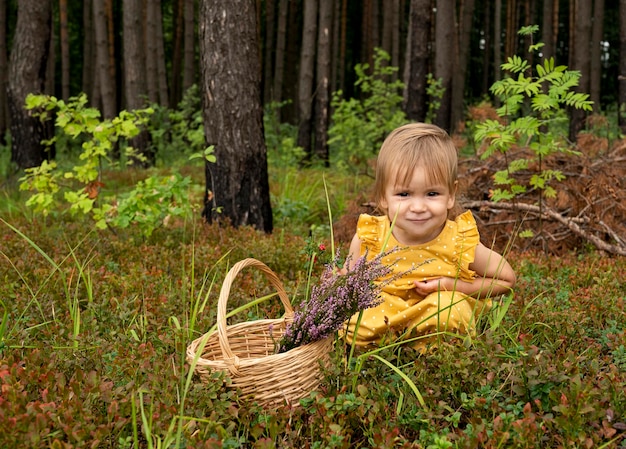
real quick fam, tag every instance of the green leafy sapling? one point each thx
(151, 203)
(531, 105)
(360, 125)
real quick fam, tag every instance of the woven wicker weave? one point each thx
(246, 351)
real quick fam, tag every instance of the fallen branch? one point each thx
(548, 213)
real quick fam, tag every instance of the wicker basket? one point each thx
(246, 351)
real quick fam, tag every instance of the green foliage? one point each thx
(532, 104)
(150, 204)
(179, 132)
(359, 126)
(93, 333)
(280, 139)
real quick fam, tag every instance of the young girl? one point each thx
(448, 274)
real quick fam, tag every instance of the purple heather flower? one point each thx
(334, 300)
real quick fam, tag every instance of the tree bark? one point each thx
(64, 43)
(279, 64)
(322, 104)
(189, 74)
(547, 29)
(134, 72)
(89, 56)
(103, 71)
(160, 57)
(150, 50)
(581, 62)
(4, 65)
(268, 59)
(415, 96)
(305, 85)
(177, 52)
(444, 55)
(621, 77)
(237, 184)
(26, 74)
(596, 54)
(457, 113)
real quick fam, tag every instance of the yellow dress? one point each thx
(403, 313)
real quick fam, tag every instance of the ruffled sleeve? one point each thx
(371, 231)
(465, 242)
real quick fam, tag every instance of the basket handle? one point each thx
(223, 299)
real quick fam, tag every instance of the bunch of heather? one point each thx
(334, 300)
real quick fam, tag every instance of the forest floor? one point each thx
(94, 328)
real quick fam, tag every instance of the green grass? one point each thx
(94, 327)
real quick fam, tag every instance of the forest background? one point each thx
(95, 323)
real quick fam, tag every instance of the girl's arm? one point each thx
(494, 276)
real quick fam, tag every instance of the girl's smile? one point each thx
(419, 210)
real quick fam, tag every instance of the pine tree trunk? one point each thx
(152, 82)
(4, 65)
(89, 54)
(444, 55)
(322, 104)
(596, 54)
(105, 82)
(189, 74)
(268, 58)
(420, 19)
(279, 64)
(305, 85)
(621, 77)
(460, 70)
(547, 30)
(177, 53)
(134, 73)
(64, 43)
(29, 55)
(237, 184)
(581, 62)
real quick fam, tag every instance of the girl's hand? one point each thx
(425, 288)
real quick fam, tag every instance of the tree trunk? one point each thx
(50, 75)
(27, 68)
(417, 61)
(150, 50)
(621, 78)
(322, 104)
(460, 70)
(4, 107)
(189, 76)
(289, 111)
(596, 54)
(279, 65)
(160, 58)
(305, 85)
(395, 36)
(64, 43)
(103, 71)
(444, 55)
(237, 184)
(547, 29)
(89, 55)
(487, 54)
(134, 73)
(497, 40)
(268, 59)
(582, 62)
(177, 52)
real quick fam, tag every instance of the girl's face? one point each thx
(420, 209)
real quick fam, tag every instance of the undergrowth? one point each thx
(95, 324)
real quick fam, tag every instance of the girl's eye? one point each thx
(433, 193)
(402, 194)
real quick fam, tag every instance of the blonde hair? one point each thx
(415, 145)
